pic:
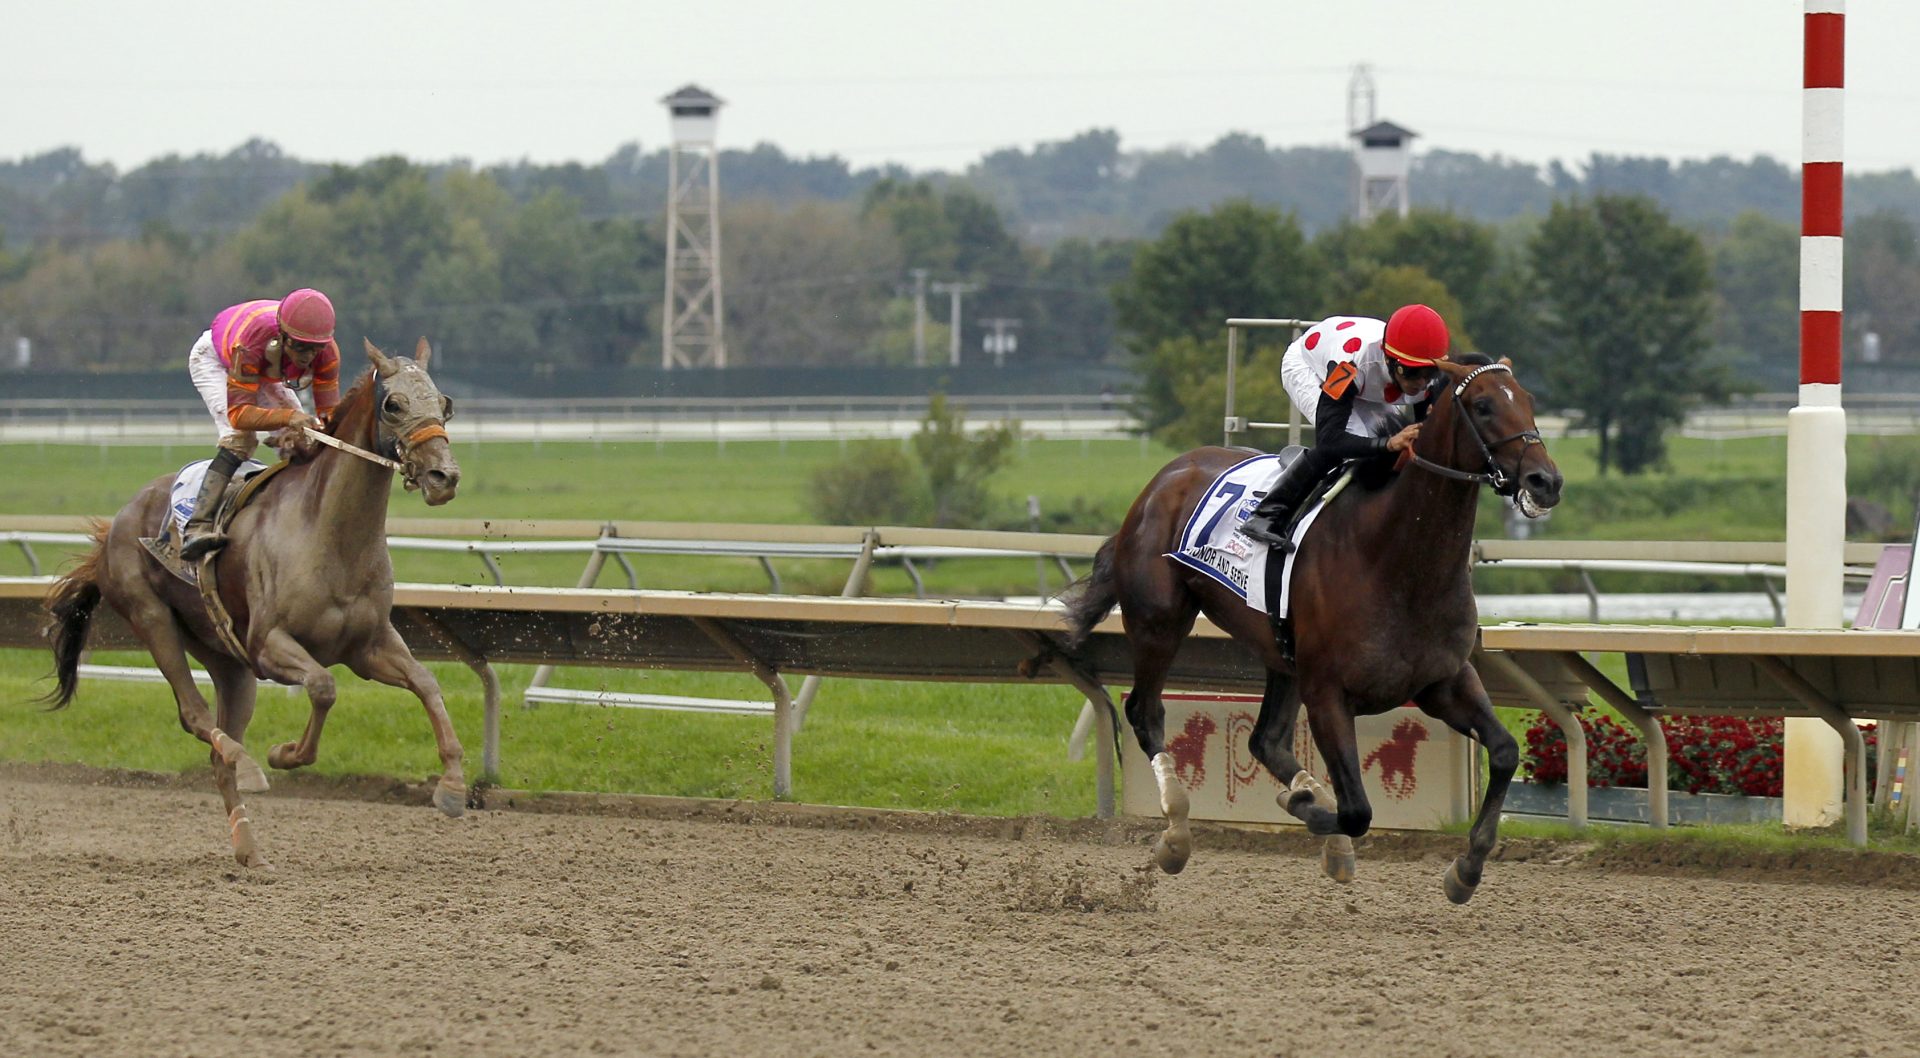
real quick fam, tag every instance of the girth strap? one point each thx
(217, 614)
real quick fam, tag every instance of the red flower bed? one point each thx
(1705, 754)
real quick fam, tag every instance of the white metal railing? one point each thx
(660, 420)
(619, 548)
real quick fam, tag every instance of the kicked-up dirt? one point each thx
(587, 928)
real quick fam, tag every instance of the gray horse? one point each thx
(306, 578)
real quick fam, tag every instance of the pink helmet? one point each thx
(307, 315)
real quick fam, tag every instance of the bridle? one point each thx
(1494, 475)
(395, 442)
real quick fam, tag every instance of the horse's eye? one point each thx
(1483, 406)
(393, 406)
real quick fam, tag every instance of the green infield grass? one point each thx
(992, 750)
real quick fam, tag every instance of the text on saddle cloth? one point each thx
(186, 488)
(1211, 543)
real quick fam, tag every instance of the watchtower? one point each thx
(1382, 157)
(693, 324)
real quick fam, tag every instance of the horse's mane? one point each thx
(357, 396)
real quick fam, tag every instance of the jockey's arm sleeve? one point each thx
(244, 411)
(1330, 430)
(251, 416)
(326, 380)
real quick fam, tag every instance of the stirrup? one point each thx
(1260, 528)
(198, 546)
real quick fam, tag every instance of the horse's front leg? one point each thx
(1332, 724)
(280, 657)
(1271, 743)
(1462, 704)
(389, 661)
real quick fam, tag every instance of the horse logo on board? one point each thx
(1395, 757)
(1189, 749)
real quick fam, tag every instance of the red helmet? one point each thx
(1417, 336)
(307, 315)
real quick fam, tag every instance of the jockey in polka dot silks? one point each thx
(1356, 380)
(246, 367)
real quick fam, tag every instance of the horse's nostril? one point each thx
(440, 479)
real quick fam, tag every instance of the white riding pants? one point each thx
(1301, 381)
(210, 378)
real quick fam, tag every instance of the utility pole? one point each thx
(953, 320)
(919, 317)
(1001, 341)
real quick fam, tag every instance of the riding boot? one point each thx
(201, 537)
(1268, 522)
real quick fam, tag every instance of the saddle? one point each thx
(244, 486)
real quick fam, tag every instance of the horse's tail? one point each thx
(1092, 597)
(70, 605)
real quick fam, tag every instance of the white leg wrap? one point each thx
(1321, 795)
(1173, 796)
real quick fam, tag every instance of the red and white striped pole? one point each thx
(1817, 427)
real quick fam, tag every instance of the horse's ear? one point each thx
(422, 352)
(381, 361)
(1506, 362)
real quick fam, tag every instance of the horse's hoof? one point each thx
(245, 851)
(1457, 889)
(1336, 858)
(248, 776)
(281, 756)
(451, 799)
(1171, 850)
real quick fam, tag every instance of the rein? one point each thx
(355, 450)
(1494, 475)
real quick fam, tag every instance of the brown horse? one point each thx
(306, 578)
(1382, 609)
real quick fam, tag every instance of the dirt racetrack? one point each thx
(126, 929)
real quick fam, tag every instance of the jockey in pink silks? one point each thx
(246, 367)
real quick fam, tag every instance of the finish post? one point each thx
(1817, 428)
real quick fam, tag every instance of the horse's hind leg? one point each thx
(233, 769)
(1462, 704)
(389, 661)
(234, 688)
(1155, 639)
(281, 657)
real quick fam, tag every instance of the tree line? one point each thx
(1087, 186)
(1632, 308)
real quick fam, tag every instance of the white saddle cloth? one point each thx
(1211, 543)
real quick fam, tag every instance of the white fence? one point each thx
(718, 421)
(658, 420)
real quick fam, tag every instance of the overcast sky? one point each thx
(936, 85)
